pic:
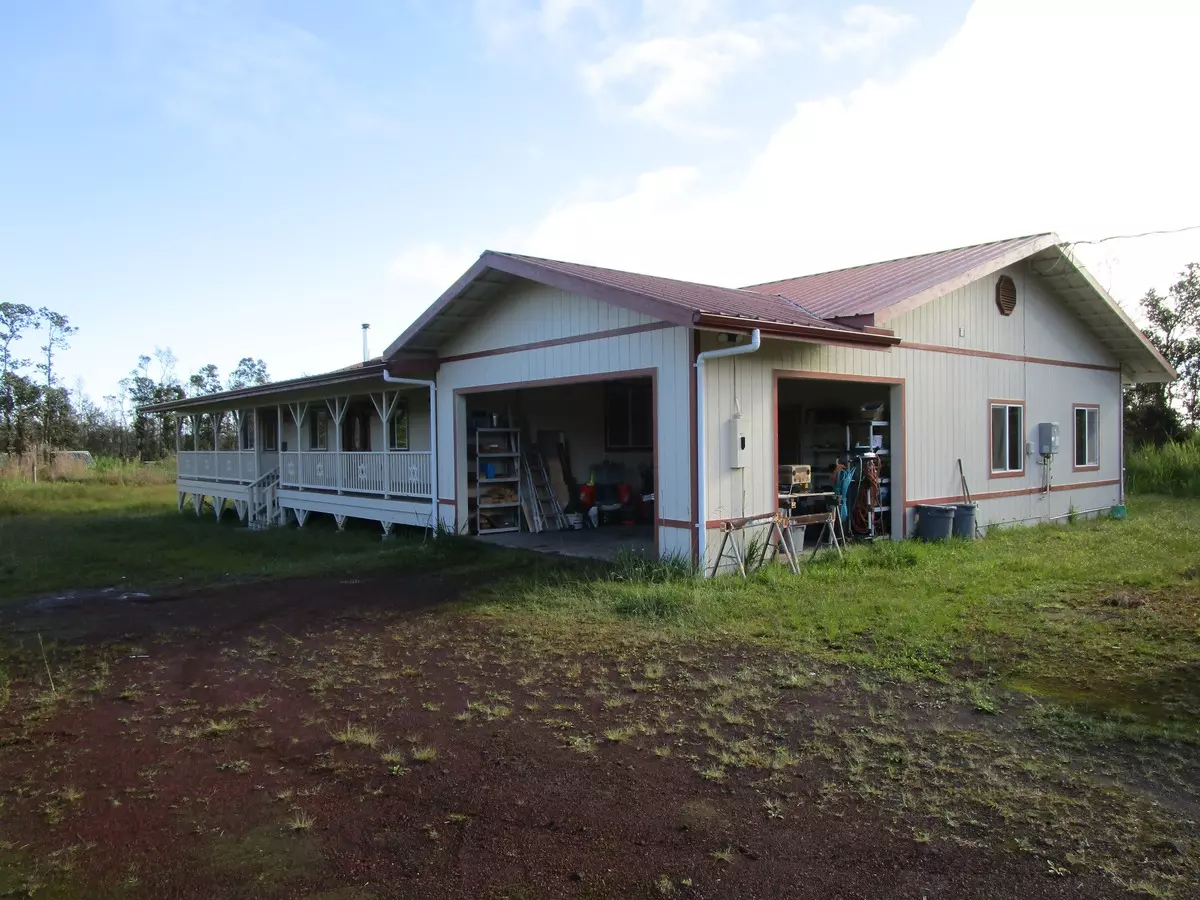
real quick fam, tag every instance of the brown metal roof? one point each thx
(870, 289)
(689, 296)
(684, 303)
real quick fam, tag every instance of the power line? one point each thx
(1122, 237)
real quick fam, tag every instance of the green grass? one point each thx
(83, 498)
(1100, 616)
(1172, 469)
(1104, 607)
(61, 535)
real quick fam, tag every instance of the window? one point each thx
(398, 432)
(1008, 438)
(318, 430)
(270, 432)
(246, 431)
(628, 416)
(356, 431)
(1087, 437)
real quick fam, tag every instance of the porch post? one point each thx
(434, 490)
(299, 411)
(279, 437)
(385, 408)
(337, 409)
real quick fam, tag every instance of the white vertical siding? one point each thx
(946, 404)
(1040, 326)
(664, 351)
(529, 313)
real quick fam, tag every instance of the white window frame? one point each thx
(399, 422)
(318, 430)
(1007, 471)
(1091, 436)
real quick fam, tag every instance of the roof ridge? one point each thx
(720, 287)
(880, 262)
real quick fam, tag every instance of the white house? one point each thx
(946, 364)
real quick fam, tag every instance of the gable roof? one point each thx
(844, 306)
(876, 288)
(879, 292)
(684, 303)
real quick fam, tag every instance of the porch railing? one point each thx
(239, 466)
(396, 473)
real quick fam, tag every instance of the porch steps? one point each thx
(264, 510)
(543, 511)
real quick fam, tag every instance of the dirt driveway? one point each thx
(352, 740)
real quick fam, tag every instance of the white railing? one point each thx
(411, 473)
(362, 473)
(401, 474)
(239, 466)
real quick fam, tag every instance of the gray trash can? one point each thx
(935, 523)
(964, 520)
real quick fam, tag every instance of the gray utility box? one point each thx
(1047, 438)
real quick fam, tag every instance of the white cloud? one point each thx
(508, 22)
(865, 30)
(1068, 116)
(676, 75)
(663, 62)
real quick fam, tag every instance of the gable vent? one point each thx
(1006, 295)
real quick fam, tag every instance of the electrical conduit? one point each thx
(435, 516)
(701, 442)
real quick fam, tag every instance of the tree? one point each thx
(205, 381)
(15, 319)
(1162, 412)
(249, 372)
(55, 402)
(58, 332)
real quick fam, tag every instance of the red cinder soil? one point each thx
(191, 736)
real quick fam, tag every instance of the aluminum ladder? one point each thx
(544, 512)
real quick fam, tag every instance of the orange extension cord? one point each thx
(867, 499)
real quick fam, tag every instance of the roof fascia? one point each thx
(875, 339)
(1169, 373)
(234, 398)
(531, 271)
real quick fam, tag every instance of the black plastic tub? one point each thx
(935, 523)
(964, 520)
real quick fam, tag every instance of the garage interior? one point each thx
(565, 468)
(835, 452)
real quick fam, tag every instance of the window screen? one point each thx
(1008, 437)
(1087, 436)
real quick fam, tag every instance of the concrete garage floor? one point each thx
(590, 543)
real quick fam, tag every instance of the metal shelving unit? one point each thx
(498, 464)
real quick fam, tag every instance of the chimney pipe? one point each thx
(366, 351)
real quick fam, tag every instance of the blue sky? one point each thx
(257, 178)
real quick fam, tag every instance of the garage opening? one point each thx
(838, 450)
(566, 468)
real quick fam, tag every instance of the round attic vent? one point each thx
(1006, 295)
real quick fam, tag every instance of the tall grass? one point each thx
(105, 470)
(1172, 469)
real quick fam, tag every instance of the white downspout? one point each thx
(435, 519)
(701, 456)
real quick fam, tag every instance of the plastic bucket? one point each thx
(964, 520)
(935, 523)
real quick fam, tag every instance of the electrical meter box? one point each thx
(737, 442)
(1047, 438)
